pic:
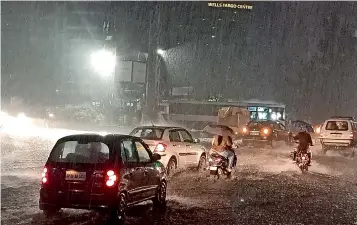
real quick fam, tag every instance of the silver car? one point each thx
(175, 145)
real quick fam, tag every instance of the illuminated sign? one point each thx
(229, 5)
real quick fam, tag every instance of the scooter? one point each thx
(218, 166)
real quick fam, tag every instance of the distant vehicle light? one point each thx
(51, 115)
(21, 115)
(266, 131)
(245, 130)
(103, 133)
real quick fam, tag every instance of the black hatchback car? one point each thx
(112, 172)
(265, 132)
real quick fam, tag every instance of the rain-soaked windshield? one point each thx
(74, 152)
(138, 67)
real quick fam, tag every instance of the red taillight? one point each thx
(265, 131)
(45, 175)
(110, 178)
(160, 148)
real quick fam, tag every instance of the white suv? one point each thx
(338, 133)
(175, 145)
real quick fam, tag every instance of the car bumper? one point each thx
(256, 140)
(75, 200)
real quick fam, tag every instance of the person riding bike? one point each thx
(223, 146)
(305, 141)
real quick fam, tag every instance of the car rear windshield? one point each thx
(148, 133)
(337, 125)
(75, 152)
(258, 125)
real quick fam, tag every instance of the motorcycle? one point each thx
(301, 160)
(218, 166)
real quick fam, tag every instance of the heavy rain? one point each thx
(178, 112)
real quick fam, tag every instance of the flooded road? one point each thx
(268, 188)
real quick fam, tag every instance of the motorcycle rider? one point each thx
(223, 146)
(305, 141)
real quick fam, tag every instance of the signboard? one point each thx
(139, 72)
(230, 5)
(124, 71)
(131, 71)
(181, 91)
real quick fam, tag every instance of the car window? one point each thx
(337, 125)
(129, 152)
(144, 156)
(186, 136)
(148, 133)
(354, 126)
(76, 152)
(174, 136)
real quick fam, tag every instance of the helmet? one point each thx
(303, 129)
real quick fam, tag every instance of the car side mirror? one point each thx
(196, 140)
(155, 157)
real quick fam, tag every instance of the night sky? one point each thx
(299, 53)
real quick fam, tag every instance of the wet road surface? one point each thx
(267, 189)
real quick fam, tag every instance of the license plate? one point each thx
(213, 168)
(254, 133)
(74, 175)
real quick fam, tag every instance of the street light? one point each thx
(103, 62)
(160, 51)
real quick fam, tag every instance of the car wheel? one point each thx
(202, 164)
(159, 201)
(171, 167)
(118, 213)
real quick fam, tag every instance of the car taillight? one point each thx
(265, 131)
(110, 178)
(45, 175)
(160, 148)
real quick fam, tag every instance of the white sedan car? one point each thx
(175, 145)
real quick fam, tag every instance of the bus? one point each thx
(197, 114)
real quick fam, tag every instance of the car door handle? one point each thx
(188, 145)
(174, 145)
